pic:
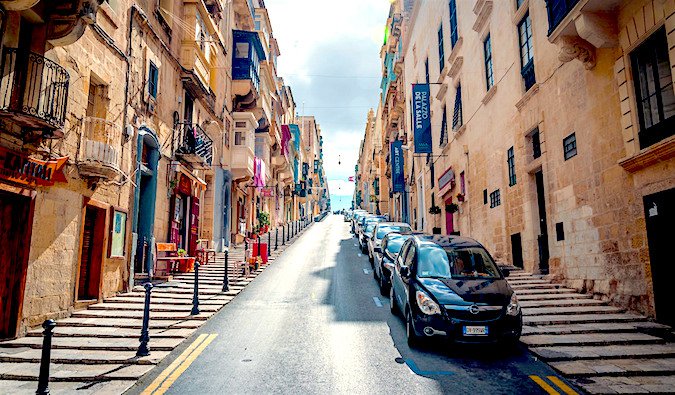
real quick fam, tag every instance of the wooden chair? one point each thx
(204, 253)
(168, 263)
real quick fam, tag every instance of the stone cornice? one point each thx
(484, 8)
(659, 152)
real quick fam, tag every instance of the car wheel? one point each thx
(413, 339)
(383, 286)
(392, 301)
(375, 276)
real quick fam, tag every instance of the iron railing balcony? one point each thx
(192, 144)
(33, 91)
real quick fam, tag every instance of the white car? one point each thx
(381, 230)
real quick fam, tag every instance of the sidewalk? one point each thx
(600, 348)
(94, 350)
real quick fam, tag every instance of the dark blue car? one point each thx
(450, 287)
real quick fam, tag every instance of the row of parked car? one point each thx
(445, 287)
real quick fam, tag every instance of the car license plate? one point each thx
(475, 330)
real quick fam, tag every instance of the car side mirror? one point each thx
(506, 272)
(405, 271)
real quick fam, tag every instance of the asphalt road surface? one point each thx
(315, 323)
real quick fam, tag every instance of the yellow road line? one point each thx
(560, 384)
(188, 361)
(544, 385)
(165, 373)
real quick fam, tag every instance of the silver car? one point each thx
(381, 230)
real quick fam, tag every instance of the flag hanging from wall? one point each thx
(397, 177)
(421, 119)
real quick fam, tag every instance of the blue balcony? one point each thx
(246, 57)
(557, 11)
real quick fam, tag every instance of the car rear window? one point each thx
(383, 230)
(472, 262)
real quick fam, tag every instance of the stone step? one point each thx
(561, 303)
(155, 307)
(604, 327)
(616, 367)
(82, 356)
(520, 292)
(557, 319)
(522, 297)
(113, 332)
(526, 280)
(73, 372)
(128, 323)
(544, 285)
(612, 351)
(590, 339)
(571, 310)
(92, 343)
(627, 385)
(154, 315)
(27, 387)
(170, 301)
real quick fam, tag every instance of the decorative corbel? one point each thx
(572, 47)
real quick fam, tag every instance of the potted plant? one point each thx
(451, 208)
(185, 265)
(460, 197)
(264, 221)
(435, 210)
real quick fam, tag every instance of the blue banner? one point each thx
(397, 177)
(421, 119)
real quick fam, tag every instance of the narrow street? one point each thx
(314, 322)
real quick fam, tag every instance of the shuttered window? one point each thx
(457, 120)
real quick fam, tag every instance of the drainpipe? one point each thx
(134, 153)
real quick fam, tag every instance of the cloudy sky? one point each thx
(330, 58)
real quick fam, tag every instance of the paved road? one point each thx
(315, 323)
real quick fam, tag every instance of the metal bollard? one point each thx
(143, 350)
(288, 232)
(269, 243)
(283, 234)
(43, 380)
(226, 281)
(195, 296)
(276, 238)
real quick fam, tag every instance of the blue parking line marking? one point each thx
(377, 301)
(413, 366)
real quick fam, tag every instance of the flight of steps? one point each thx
(599, 347)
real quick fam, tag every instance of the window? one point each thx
(495, 199)
(559, 231)
(487, 51)
(241, 50)
(453, 23)
(426, 70)
(536, 144)
(654, 89)
(433, 175)
(485, 196)
(526, 52)
(457, 120)
(441, 49)
(510, 161)
(570, 146)
(153, 73)
(462, 184)
(444, 128)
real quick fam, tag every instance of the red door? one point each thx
(194, 226)
(449, 220)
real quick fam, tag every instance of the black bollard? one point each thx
(195, 296)
(276, 238)
(269, 242)
(143, 350)
(226, 281)
(43, 380)
(283, 234)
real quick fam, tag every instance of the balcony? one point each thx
(33, 91)
(243, 147)
(244, 12)
(247, 55)
(192, 145)
(578, 27)
(100, 148)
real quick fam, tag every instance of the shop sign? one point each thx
(267, 192)
(21, 169)
(421, 119)
(397, 177)
(446, 178)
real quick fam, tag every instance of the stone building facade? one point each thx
(552, 135)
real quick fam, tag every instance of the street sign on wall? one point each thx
(421, 118)
(397, 177)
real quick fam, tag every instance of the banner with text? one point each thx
(421, 119)
(397, 177)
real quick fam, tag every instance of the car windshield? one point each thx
(394, 245)
(473, 262)
(369, 228)
(383, 230)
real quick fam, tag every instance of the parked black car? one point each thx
(450, 287)
(384, 260)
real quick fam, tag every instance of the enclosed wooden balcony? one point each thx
(100, 148)
(33, 91)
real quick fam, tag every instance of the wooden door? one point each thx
(449, 219)
(91, 254)
(15, 228)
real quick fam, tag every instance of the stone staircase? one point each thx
(600, 348)
(94, 350)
